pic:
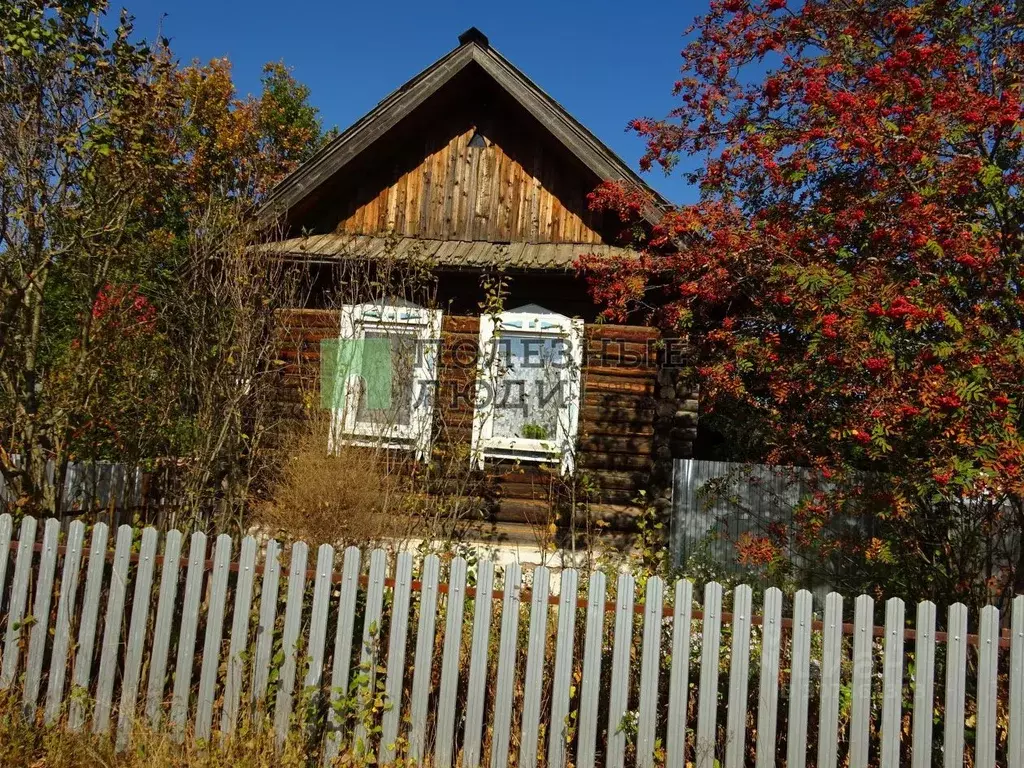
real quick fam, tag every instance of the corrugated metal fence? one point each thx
(91, 485)
(603, 673)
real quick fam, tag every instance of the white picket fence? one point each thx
(519, 675)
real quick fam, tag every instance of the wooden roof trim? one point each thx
(583, 144)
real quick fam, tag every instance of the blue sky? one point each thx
(606, 62)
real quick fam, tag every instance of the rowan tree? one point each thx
(852, 273)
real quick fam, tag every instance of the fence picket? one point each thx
(533, 676)
(214, 635)
(290, 640)
(136, 640)
(40, 630)
(892, 683)
(562, 676)
(739, 673)
(590, 684)
(162, 628)
(679, 676)
(18, 603)
(316, 642)
(112, 631)
(396, 651)
(863, 662)
(956, 686)
(924, 685)
(66, 607)
(187, 636)
(799, 681)
(29, 597)
(768, 689)
(6, 529)
(650, 663)
(423, 661)
(988, 679)
(707, 707)
(477, 682)
(618, 695)
(239, 634)
(445, 731)
(343, 648)
(1015, 726)
(265, 628)
(831, 663)
(370, 651)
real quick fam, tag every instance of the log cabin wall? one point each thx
(634, 418)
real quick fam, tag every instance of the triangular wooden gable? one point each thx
(470, 149)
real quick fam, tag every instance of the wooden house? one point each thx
(473, 172)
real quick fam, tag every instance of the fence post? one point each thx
(136, 640)
(956, 686)
(988, 679)
(860, 708)
(342, 650)
(562, 678)
(162, 627)
(477, 664)
(187, 638)
(739, 671)
(707, 708)
(618, 696)
(924, 685)
(892, 683)
(112, 630)
(533, 678)
(396, 654)
(214, 634)
(41, 612)
(18, 603)
(831, 663)
(589, 689)
(768, 689)
(66, 605)
(679, 676)
(649, 668)
(1015, 727)
(239, 634)
(290, 640)
(424, 659)
(368, 653)
(799, 681)
(87, 626)
(265, 626)
(317, 639)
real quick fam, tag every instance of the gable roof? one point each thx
(473, 48)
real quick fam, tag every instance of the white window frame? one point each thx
(404, 318)
(540, 323)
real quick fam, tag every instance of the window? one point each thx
(386, 373)
(528, 390)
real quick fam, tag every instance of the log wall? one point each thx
(630, 425)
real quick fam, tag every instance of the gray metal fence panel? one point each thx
(590, 683)
(214, 635)
(112, 631)
(988, 681)
(344, 631)
(561, 681)
(423, 660)
(707, 707)
(892, 683)
(444, 744)
(396, 652)
(679, 676)
(477, 683)
(290, 641)
(739, 674)
(40, 630)
(18, 602)
(863, 664)
(162, 628)
(533, 679)
(239, 634)
(618, 694)
(831, 667)
(768, 689)
(136, 640)
(924, 685)
(66, 608)
(956, 686)
(193, 597)
(650, 663)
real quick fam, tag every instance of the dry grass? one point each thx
(358, 495)
(31, 744)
